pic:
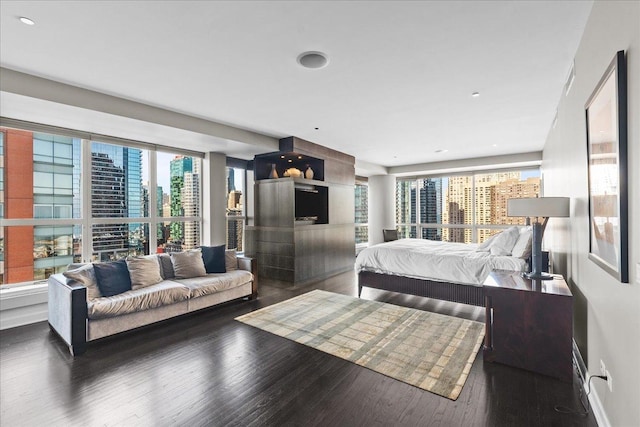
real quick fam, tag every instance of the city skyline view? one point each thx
(461, 208)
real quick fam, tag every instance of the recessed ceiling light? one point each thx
(313, 59)
(494, 145)
(290, 161)
(282, 157)
(475, 94)
(27, 21)
(441, 151)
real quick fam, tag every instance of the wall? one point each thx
(382, 204)
(607, 312)
(214, 199)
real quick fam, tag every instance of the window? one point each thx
(461, 208)
(178, 186)
(362, 211)
(101, 214)
(235, 207)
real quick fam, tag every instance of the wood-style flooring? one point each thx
(206, 369)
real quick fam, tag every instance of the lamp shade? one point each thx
(538, 207)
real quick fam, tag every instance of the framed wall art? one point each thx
(606, 114)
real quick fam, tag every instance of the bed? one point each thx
(447, 271)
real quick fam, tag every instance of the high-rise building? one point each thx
(512, 189)
(116, 192)
(178, 167)
(431, 207)
(458, 208)
(39, 184)
(231, 185)
(406, 206)
(361, 212)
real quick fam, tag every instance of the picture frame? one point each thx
(606, 120)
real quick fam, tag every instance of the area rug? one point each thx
(428, 350)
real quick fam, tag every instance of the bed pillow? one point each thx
(486, 245)
(522, 248)
(230, 260)
(504, 242)
(214, 258)
(188, 264)
(112, 277)
(144, 271)
(84, 274)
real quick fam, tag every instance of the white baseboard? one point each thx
(23, 305)
(596, 406)
(594, 399)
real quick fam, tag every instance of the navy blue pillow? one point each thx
(112, 277)
(213, 257)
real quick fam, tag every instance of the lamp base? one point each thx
(537, 276)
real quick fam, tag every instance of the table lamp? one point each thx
(538, 207)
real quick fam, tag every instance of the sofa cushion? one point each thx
(112, 277)
(188, 264)
(144, 271)
(84, 274)
(214, 258)
(216, 282)
(163, 293)
(230, 260)
(166, 266)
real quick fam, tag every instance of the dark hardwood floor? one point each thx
(207, 369)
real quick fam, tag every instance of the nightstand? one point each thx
(529, 323)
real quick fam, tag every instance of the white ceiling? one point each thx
(397, 88)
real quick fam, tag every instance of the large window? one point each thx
(362, 211)
(73, 199)
(461, 208)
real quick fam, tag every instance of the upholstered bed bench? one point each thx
(83, 306)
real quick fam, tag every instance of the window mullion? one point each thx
(153, 201)
(85, 199)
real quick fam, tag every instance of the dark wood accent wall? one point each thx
(297, 251)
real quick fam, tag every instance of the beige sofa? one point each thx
(78, 319)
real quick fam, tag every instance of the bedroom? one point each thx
(606, 311)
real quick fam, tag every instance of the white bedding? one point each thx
(441, 261)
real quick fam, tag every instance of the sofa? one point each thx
(92, 301)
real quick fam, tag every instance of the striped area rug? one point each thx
(428, 350)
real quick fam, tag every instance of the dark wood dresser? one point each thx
(529, 323)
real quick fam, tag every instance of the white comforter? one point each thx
(441, 261)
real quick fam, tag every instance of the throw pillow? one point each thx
(504, 242)
(112, 277)
(166, 266)
(214, 258)
(188, 264)
(230, 260)
(144, 271)
(85, 275)
(522, 248)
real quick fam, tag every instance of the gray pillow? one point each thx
(230, 260)
(144, 271)
(166, 267)
(87, 276)
(188, 264)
